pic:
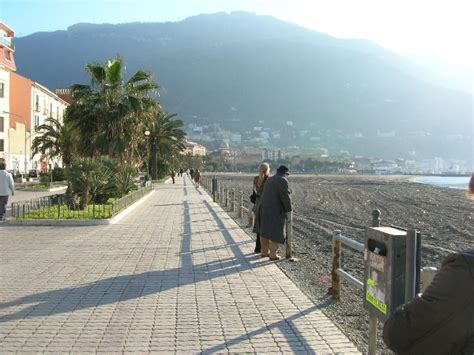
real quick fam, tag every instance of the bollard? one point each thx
(241, 204)
(427, 275)
(289, 233)
(334, 290)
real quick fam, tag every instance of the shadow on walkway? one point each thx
(127, 287)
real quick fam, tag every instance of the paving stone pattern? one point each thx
(176, 275)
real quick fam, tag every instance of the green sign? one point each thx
(382, 307)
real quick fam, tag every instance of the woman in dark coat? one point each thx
(441, 320)
(258, 183)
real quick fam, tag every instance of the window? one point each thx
(2, 90)
(37, 103)
(37, 122)
(2, 147)
(2, 122)
(57, 112)
(50, 109)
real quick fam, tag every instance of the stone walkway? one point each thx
(175, 275)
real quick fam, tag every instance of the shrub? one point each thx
(45, 178)
(59, 174)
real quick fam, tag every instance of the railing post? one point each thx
(250, 216)
(334, 290)
(376, 218)
(214, 188)
(232, 200)
(241, 204)
(289, 233)
(226, 196)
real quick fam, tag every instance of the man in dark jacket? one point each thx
(275, 204)
(441, 320)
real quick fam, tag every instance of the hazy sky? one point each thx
(441, 28)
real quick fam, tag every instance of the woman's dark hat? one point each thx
(283, 170)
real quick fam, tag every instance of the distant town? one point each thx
(243, 150)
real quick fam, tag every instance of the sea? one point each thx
(453, 182)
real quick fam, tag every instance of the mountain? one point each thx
(239, 69)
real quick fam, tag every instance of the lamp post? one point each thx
(147, 134)
(24, 122)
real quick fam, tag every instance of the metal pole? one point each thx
(334, 290)
(410, 265)
(289, 233)
(372, 350)
(372, 335)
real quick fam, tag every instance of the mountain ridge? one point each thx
(238, 69)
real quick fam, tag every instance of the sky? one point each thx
(442, 29)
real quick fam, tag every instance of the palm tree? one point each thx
(56, 140)
(109, 114)
(165, 139)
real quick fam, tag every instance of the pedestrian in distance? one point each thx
(173, 174)
(275, 204)
(191, 173)
(197, 178)
(7, 187)
(258, 184)
(441, 319)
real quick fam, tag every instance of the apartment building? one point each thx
(44, 104)
(7, 66)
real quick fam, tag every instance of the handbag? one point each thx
(253, 197)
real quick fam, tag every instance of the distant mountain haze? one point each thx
(238, 69)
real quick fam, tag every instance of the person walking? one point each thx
(258, 184)
(441, 319)
(173, 174)
(7, 187)
(275, 204)
(197, 178)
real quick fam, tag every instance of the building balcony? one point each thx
(7, 42)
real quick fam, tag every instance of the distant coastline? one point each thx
(453, 182)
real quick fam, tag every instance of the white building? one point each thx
(44, 104)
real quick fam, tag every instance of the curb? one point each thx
(45, 190)
(76, 222)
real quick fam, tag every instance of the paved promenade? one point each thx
(175, 275)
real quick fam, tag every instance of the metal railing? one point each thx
(126, 201)
(234, 200)
(58, 207)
